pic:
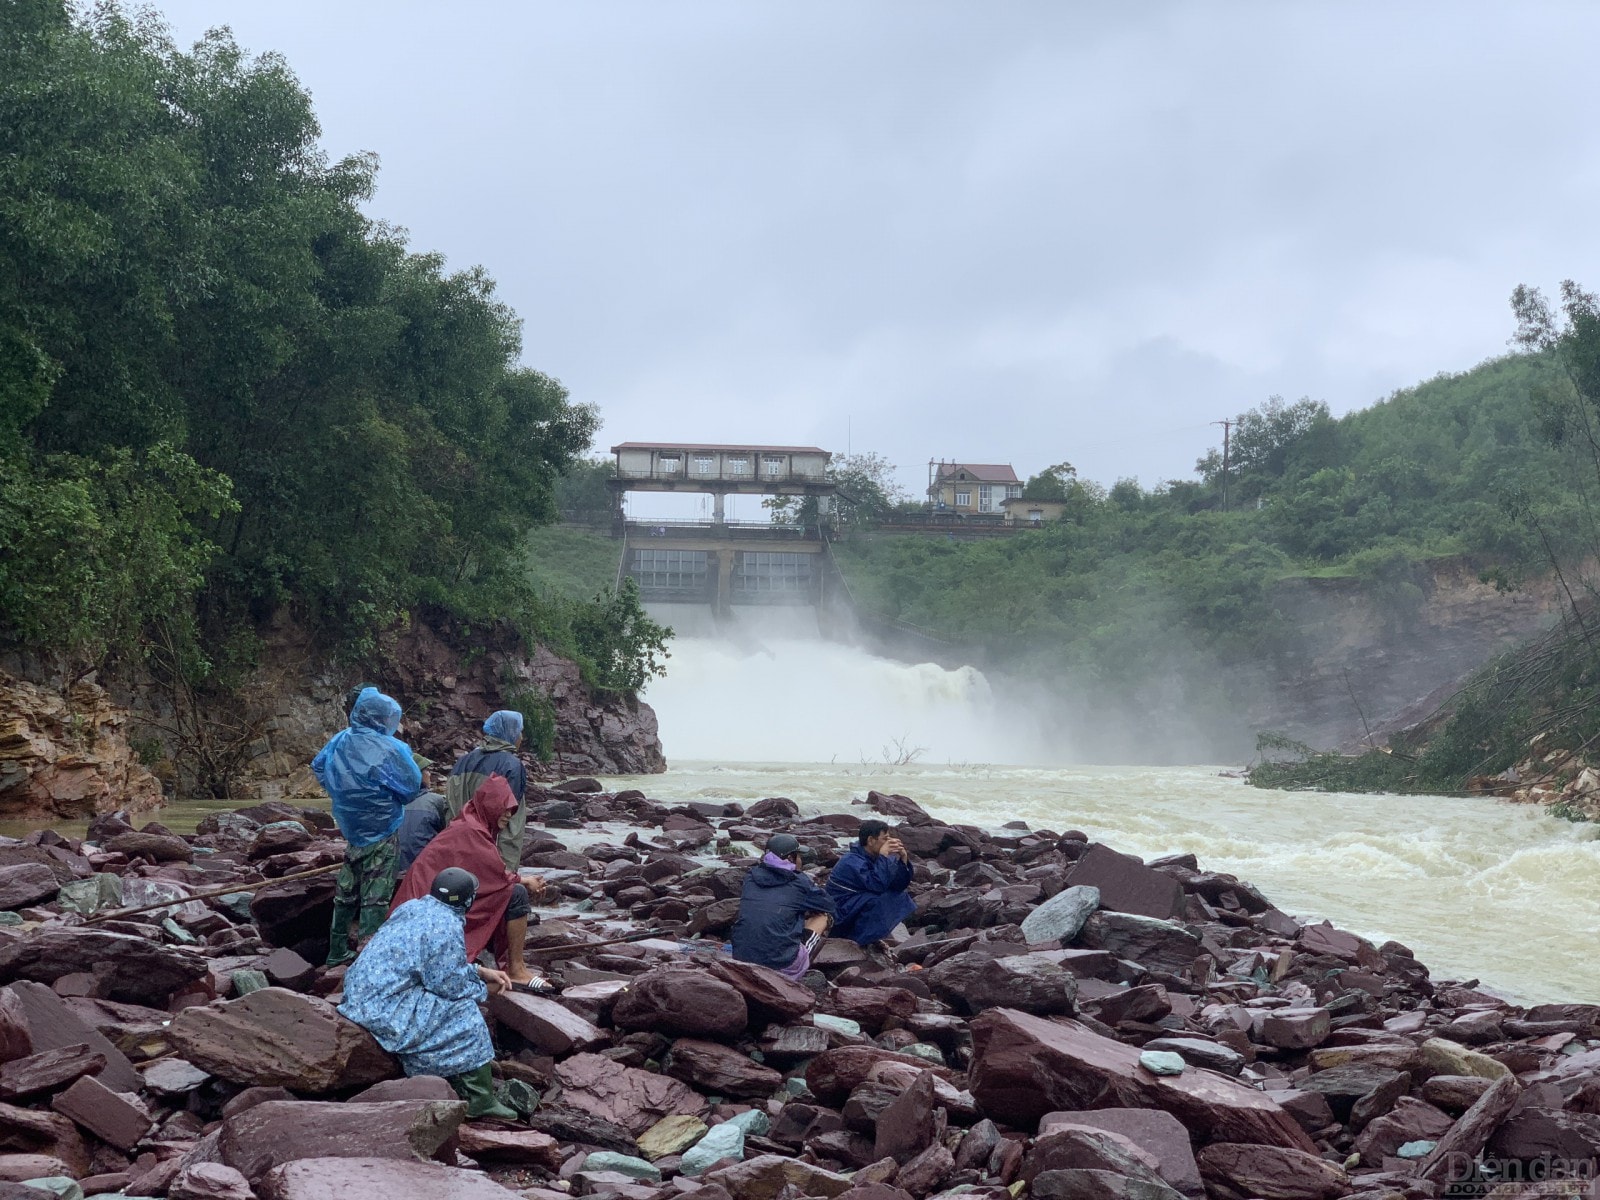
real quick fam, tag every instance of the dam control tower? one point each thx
(719, 562)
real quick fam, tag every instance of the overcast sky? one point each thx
(1018, 232)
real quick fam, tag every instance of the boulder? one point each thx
(907, 1127)
(155, 846)
(1098, 1185)
(1060, 918)
(288, 914)
(23, 1129)
(625, 1096)
(210, 1181)
(280, 1131)
(683, 1001)
(49, 1071)
(36, 1020)
(721, 1070)
(1200, 1052)
(129, 968)
(1025, 1066)
(834, 1074)
(510, 1147)
(1442, 1057)
(721, 1142)
(278, 1038)
(1271, 1172)
(1296, 1028)
(549, 1026)
(972, 981)
(671, 1135)
(376, 1179)
(1153, 944)
(1408, 1121)
(1126, 885)
(763, 1177)
(923, 1175)
(1471, 1131)
(23, 884)
(768, 995)
(1157, 1134)
(872, 1007)
(109, 1115)
(1455, 1093)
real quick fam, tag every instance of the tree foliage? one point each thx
(221, 383)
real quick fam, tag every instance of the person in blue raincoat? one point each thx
(370, 775)
(415, 992)
(868, 885)
(496, 754)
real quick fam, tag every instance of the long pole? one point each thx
(1227, 428)
(230, 890)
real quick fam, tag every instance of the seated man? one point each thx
(868, 885)
(422, 821)
(370, 775)
(782, 914)
(415, 992)
(502, 910)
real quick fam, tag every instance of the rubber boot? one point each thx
(477, 1089)
(339, 951)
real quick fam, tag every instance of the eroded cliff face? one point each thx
(67, 755)
(1373, 656)
(70, 756)
(447, 682)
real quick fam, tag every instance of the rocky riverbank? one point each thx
(1064, 1020)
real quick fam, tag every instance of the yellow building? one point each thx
(967, 489)
(1033, 512)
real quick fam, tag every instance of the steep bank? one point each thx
(61, 759)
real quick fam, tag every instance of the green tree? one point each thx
(1052, 483)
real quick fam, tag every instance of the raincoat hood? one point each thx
(763, 875)
(374, 710)
(505, 726)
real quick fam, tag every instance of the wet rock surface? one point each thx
(194, 1052)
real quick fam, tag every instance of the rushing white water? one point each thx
(1477, 888)
(765, 687)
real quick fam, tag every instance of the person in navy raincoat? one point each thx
(868, 885)
(779, 909)
(370, 775)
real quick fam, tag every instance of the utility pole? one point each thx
(1227, 428)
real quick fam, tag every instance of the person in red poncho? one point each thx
(499, 913)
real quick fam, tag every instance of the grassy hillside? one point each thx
(571, 562)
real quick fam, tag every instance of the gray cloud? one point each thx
(1021, 232)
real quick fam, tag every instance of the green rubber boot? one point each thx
(477, 1089)
(339, 951)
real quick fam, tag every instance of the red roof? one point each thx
(712, 446)
(983, 472)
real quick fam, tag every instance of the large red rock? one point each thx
(278, 1038)
(1271, 1172)
(376, 1179)
(973, 981)
(834, 1074)
(268, 1135)
(768, 995)
(288, 914)
(210, 1181)
(108, 1115)
(22, 884)
(30, 1132)
(907, 1126)
(721, 1070)
(49, 1071)
(765, 1176)
(128, 968)
(520, 1147)
(549, 1026)
(681, 1001)
(1472, 1130)
(36, 1020)
(872, 1007)
(1025, 1066)
(1126, 884)
(1150, 1130)
(624, 1096)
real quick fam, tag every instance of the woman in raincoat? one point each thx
(415, 991)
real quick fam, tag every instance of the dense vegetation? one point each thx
(1150, 594)
(225, 390)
